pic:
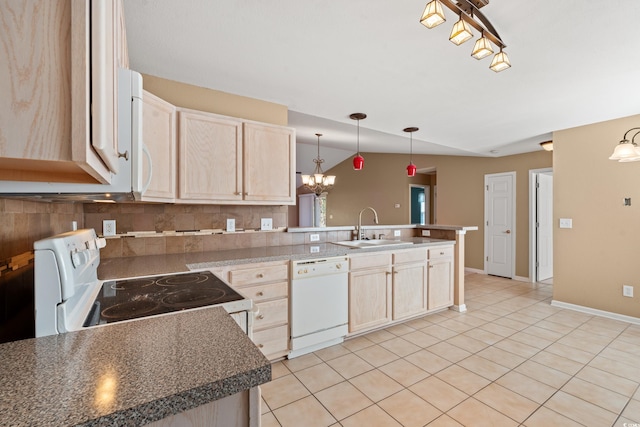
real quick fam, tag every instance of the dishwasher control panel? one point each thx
(319, 267)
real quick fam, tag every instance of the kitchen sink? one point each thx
(358, 244)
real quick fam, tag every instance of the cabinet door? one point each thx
(369, 299)
(440, 283)
(409, 290)
(269, 163)
(210, 161)
(159, 124)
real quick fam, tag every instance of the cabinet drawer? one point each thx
(271, 313)
(247, 276)
(369, 260)
(273, 340)
(411, 255)
(442, 252)
(266, 292)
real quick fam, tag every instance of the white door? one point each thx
(499, 224)
(544, 226)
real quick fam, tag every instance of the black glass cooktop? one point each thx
(148, 296)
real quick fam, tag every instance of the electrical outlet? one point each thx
(627, 291)
(109, 227)
(426, 233)
(315, 249)
(231, 224)
(396, 233)
(314, 237)
(266, 224)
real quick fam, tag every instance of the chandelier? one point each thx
(627, 151)
(318, 182)
(469, 15)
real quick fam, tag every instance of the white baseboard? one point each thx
(521, 279)
(596, 312)
(473, 270)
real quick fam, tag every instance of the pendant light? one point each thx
(433, 14)
(318, 182)
(411, 169)
(461, 32)
(358, 160)
(500, 62)
(482, 48)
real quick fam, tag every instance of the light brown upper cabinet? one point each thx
(59, 80)
(225, 160)
(159, 124)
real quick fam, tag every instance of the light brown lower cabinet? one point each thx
(369, 291)
(409, 283)
(238, 410)
(440, 277)
(267, 284)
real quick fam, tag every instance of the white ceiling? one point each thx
(574, 62)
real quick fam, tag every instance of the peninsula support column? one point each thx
(458, 273)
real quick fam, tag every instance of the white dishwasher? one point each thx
(319, 301)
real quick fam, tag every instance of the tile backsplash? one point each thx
(164, 217)
(23, 222)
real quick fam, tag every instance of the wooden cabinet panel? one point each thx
(260, 274)
(442, 252)
(210, 161)
(269, 162)
(369, 260)
(271, 313)
(59, 84)
(266, 292)
(410, 255)
(272, 342)
(369, 299)
(267, 284)
(440, 283)
(409, 290)
(159, 124)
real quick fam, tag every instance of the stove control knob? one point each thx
(101, 242)
(79, 258)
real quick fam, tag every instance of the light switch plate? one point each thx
(266, 224)
(109, 227)
(231, 224)
(566, 223)
(627, 291)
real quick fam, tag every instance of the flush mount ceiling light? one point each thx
(547, 145)
(411, 169)
(318, 182)
(627, 151)
(469, 16)
(358, 160)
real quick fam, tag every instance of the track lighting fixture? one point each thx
(469, 15)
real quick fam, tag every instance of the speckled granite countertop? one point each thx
(113, 268)
(129, 373)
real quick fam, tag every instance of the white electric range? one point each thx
(70, 297)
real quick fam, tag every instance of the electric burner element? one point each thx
(193, 297)
(148, 296)
(182, 279)
(127, 285)
(130, 309)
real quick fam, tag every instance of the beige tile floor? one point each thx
(512, 359)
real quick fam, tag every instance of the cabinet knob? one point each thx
(260, 275)
(259, 294)
(260, 316)
(260, 345)
(430, 266)
(441, 253)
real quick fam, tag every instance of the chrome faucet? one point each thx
(375, 220)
